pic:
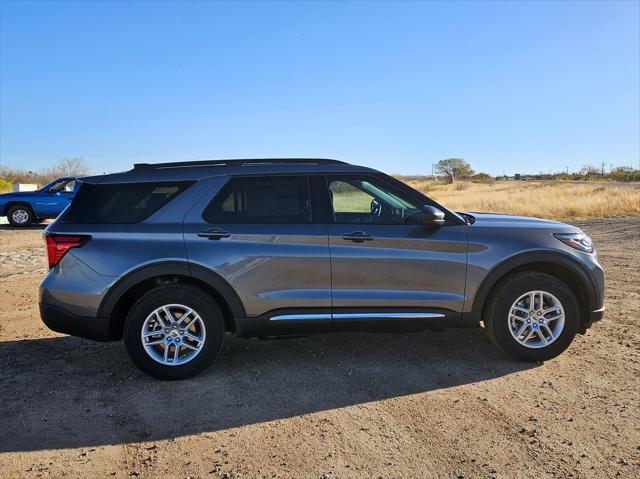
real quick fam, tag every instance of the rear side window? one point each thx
(121, 203)
(271, 199)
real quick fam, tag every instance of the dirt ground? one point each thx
(435, 404)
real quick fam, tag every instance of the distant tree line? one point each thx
(65, 167)
(453, 169)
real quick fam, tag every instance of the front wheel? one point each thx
(174, 332)
(532, 316)
(20, 215)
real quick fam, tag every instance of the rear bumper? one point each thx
(64, 322)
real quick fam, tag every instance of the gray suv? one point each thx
(172, 256)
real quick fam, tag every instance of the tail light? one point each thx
(58, 245)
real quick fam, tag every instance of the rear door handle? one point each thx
(214, 233)
(357, 236)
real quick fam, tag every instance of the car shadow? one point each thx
(67, 392)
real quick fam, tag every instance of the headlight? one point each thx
(579, 241)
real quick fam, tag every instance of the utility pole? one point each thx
(602, 164)
(567, 170)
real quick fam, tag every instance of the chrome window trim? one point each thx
(407, 315)
(404, 315)
(296, 317)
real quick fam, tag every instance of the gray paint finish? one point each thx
(403, 266)
(271, 266)
(287, 270)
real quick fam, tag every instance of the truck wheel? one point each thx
(20, 215)
(532, 316)
(174, 332)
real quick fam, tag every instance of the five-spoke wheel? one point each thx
(173, 334)
(174, 331)
(20, 215)
(536, 319)
(532, 316)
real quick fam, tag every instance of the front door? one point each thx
(386, 266)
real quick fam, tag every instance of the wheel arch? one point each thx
(559, 265)
(12, 203)
(128, 289)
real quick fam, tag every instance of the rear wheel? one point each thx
(20, 215)
(532, 316)
(174, 332)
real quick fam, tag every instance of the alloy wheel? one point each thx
(173, 334)
(536, 319)
(20, 216)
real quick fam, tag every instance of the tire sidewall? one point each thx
(20, 207)
(185, 295)
(501, 308)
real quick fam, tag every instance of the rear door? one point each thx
(385, 264)
(259, 234)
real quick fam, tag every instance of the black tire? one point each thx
(21, 209)
(506, 292)
(186, 295)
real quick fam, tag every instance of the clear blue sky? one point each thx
(509, 86)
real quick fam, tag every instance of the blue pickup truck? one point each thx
(25, 208)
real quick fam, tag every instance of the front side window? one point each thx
(270, 199)
(63, 186)
(365, 200)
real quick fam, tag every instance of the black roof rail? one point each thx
(236, 162)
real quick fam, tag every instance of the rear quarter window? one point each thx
(121, 203)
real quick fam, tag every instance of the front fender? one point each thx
(515, 262)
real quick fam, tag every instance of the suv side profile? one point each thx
(171, 256)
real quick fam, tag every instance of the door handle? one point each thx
(357, 236)
(214, 234)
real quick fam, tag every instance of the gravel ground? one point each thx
(434, 404)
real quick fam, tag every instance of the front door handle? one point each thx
(357, 236)
(214, 234)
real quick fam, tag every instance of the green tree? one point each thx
(454, 168)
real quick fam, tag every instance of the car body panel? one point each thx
(271, 266)
(496, 240)
(402, 266)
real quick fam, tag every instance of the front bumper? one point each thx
(594, 316)
(64, 322)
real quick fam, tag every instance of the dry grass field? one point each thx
(553, 200)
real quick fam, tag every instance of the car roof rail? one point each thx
(237, 162)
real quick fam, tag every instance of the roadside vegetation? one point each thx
(66, 167)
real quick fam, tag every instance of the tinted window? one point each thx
(273, 200)
(365, 200)
(222, 208)
(270, 199)
(121, 203)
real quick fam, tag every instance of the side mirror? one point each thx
(431, 216)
